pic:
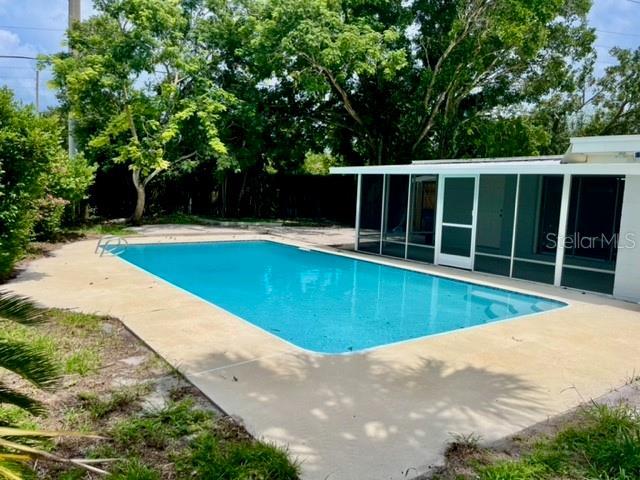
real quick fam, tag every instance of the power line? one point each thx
(11, 67)
(619, 33)
(46, 29)
(37, 77)
(21, 57)
(634, 1)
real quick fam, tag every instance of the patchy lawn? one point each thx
(597, 441)
(156, 425)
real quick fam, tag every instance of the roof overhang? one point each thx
(605, 155)
(544, 167)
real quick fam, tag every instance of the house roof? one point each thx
(612, 155)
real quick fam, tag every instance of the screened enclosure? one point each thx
(512, 225)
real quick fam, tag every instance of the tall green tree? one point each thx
(410, 79)
(615, 99)
(136, 87)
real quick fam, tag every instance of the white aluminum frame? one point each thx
(383, 210)
(445, 258)
(408, 216)
(562, 229)
(358, 209)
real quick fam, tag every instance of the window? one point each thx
(370, 213)
(537, 227)
(395, 221)
(593, 226)
(422, 218)
(494, 230)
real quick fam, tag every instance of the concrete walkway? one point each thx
(385, 414)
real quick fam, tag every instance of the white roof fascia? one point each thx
(490, 159)
(546, 167)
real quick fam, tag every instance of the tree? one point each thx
(35, 172)
(616, 98)
(135, 83)
(405, 79)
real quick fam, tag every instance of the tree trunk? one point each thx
(136, 218)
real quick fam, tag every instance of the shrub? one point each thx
(49, 215)
(36, 175)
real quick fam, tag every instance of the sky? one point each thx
(34, 27)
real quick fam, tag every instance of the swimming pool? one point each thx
(327, 303)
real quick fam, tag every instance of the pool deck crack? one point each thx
(244, 362)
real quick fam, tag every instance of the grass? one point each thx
(82, 362)
(121, 399)
(210, 457)
(104, 229)
(184, 439)
(158, 429)
(176, 218)
(81, 322)
(14, 416)
(601, 442)
(133, 469)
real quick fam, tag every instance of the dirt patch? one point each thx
(118, 388)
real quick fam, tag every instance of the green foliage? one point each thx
(391, 81)
(134, 85)
(604, 442)
(11, 415)
(36, 365)
(158, 429)
(133, 469)
(210, 457)
(82, 362)
(37, 179)
(30, 361)
(77, 320)
(616, 104)
(319, 163)
(119, 400)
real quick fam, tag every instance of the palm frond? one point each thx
(12, 397)
(19, 309)
(21, 432)
(14, 457)
(11, 470)
(13, 451)
(29, 362)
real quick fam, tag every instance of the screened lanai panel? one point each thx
(422, 218)
(395, 221)
(494, 228)
(593, 226)
(370, 213)
(537, 227)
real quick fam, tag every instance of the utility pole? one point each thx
(74, 16)
(37, 90)
(37, 97)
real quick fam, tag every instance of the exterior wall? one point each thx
(627, 282)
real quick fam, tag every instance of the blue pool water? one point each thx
(328, 303)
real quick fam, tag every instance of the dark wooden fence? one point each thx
(321, 198)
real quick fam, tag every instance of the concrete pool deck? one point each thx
(383, 414)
